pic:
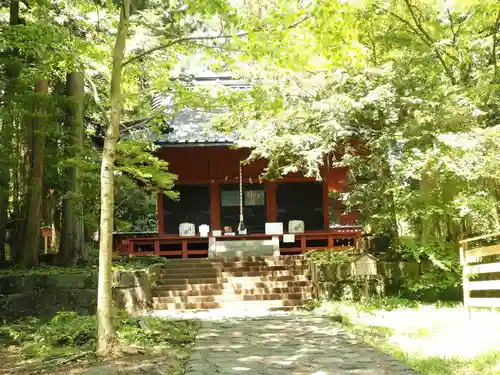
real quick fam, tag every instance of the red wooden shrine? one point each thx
(217, 166)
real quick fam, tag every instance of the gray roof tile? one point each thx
(191, 126)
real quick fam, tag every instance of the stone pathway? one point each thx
(286, 344)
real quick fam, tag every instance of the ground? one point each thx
(288, 344)
(374, 337)
(65, 345)
(433, 339)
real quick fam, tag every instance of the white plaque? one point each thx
(289, 238)
(274, 228)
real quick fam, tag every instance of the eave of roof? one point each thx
(195, 144)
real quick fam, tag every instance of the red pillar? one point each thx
(271, 202)
(326, 207)
(159, 213)
(184, 249)
(215, 205)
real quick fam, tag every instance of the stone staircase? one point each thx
(269, 283)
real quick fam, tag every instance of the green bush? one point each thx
(64, 333)
(441, 277)
(138, 263)
(330, 256)
(68, 333)
(157, 332)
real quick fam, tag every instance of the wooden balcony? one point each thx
(169, 246)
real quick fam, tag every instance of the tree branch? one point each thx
(431, 42)
(198, 38)
(418, 24)
(177, 41)
(222, 47)
(95, 94)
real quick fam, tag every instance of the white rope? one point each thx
(241, 193)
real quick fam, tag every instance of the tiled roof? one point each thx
(194, 127)
(188, 127)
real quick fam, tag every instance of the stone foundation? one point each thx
(45, 295)
(337, 280)
(220, 247)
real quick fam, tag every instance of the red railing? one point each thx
(136, 244)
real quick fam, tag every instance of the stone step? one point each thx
(189, 265)
(237, 259)
(234, 285)
(217, 270)
(233, 305)
(231, 291)
(198, 274)
(231, 279)
(234, 297)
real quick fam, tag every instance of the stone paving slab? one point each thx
(291, 345)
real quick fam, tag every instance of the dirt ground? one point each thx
(12, 363)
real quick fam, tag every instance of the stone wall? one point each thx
(338, 280)
(45, 295)
(225, 247)
(132, 291)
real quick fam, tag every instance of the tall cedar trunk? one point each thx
(31, 245)
(12, 73)
(21, 183)
(106, 342)
(20, 186)
(71, 245)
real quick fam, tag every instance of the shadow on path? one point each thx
(292, 345)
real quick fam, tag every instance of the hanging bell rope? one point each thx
(241, 225)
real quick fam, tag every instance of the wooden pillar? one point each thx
(184, 249)
(271, 215)
(159, 213)
(215, 205)
(157, 247)
(326, 207)
(130, 248)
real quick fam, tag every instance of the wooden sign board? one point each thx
(274, 228)
(365, 265)
(255, 198)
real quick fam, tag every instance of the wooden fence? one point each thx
(471, 260)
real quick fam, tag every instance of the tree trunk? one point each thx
(106, 333)
(4, 215)
(12, 73)
(31, 245)
(71, 245)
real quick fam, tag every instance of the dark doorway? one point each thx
(300, 201)
(254, 207)
(193, 206)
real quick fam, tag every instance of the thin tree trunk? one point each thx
(4, 215)
(71, 246)
(106, 342)
(31, 246)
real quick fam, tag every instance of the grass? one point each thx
(122, 264)
(69, 340)
(434, 339)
